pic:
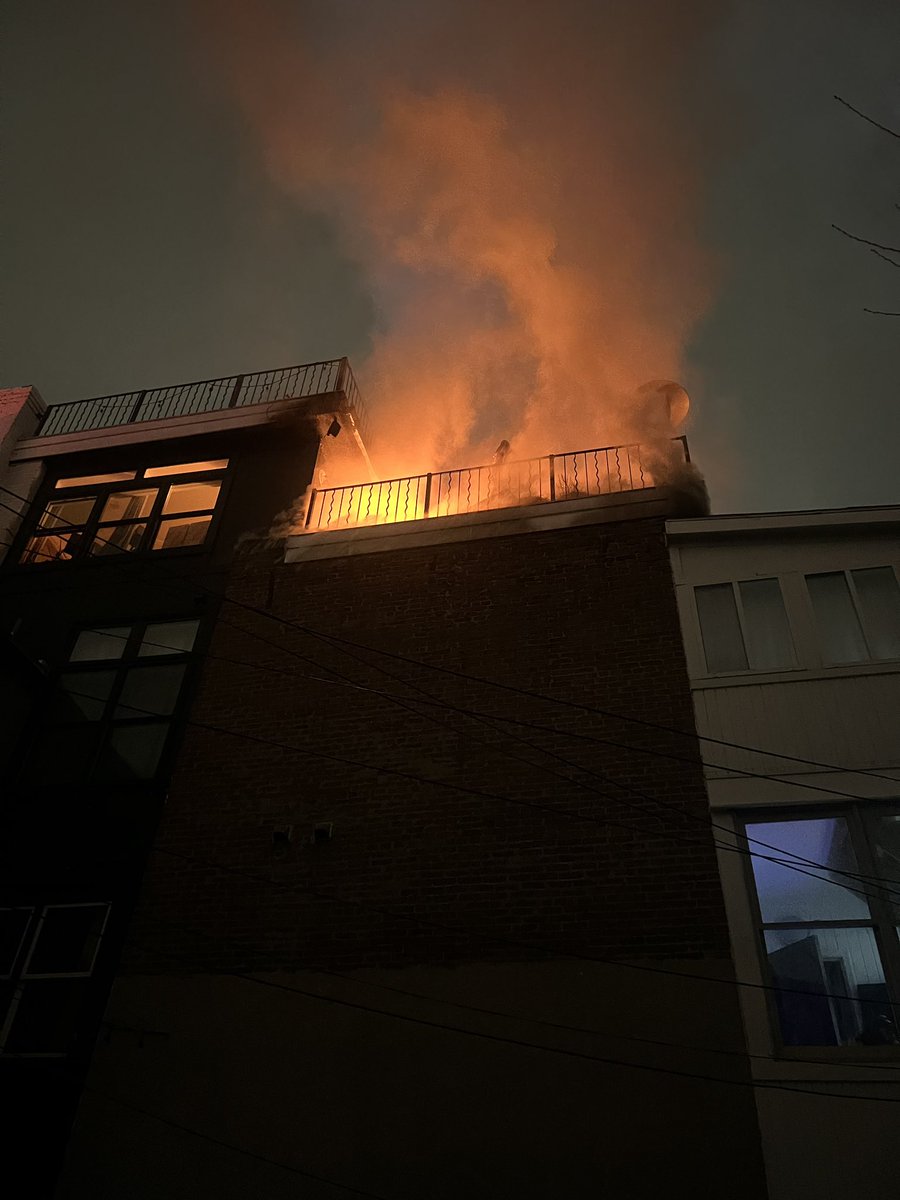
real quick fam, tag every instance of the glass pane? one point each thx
(191, 497)
(128, 506)
(93, 644)
(67, 512)
(13, 923)
(804, 893)
(47, 1016)
(885, 830)
(88, 480)
(169, 637)
(846, 1000)
(181, 531)
(769, 645)
(132, 751)
(149, 690)
(722, 641)
(118, 539)
(67, 940)
(839, 629)
(82, 696)
(215, 464)
(53, 547)
(879, 598)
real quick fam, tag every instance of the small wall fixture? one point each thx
(323, 832)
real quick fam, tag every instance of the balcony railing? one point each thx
(208, 395)
(579, 474)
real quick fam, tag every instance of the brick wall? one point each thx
(585, 614)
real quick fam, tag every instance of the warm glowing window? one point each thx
(827, 931)
(110, 713)
(47, 956)
(744, 627)
(857, 614)
(171, 507)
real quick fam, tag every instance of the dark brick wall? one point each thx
(586, 615)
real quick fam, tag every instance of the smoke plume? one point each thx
(520, 183)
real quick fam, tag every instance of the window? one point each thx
(744, 627)
(857, 614)
(159, 508)
(47, 956)
(828, 933)
(111, 709)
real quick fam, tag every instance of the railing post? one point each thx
(427, 494)
(238, 384)
(342, 376)
(550, 458)
(133, 415)
(309, 508)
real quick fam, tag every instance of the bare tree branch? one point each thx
(892, 261)
(878, 125)
(880, 312)
(865, 241)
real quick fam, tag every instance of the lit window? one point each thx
(115, 518)
(109, 716)
(48, 957)
(857, 614)
(828, 931)
(744, 627)
(193, 468)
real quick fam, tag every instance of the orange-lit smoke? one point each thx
(519, 182)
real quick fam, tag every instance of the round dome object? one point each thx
(672, 395)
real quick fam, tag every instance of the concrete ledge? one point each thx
(464, 527)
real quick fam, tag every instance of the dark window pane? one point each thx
(721, 630)
(169, 637)
(47, 1016)
(132, 752)
(117, 539)
(879, 598)
(99, 644)
(840, 634)
(13, 923)
(67, 940)
(60, 513)
(181, 531)
(769, 645)
(805, 893)
(191, 497)
(82, 696)
(128, 506)
(846, 999)
(149, 690)
(885, 830)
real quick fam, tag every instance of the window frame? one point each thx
(20, 978)
(858, 608)
(884, 925)
(742, 625)
(101, 728)
(100, 494)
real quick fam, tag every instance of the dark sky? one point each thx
(142, 246)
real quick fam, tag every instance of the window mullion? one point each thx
(887, 933)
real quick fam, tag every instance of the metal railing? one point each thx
(578, 474)
(208, 395)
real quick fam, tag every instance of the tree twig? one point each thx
(865, 241)
(892, 261)
(877, 124)
(880, 312)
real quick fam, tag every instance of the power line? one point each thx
(273, 1162)
(692, 734)
(865, 117)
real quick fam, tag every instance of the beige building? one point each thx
(791, 625)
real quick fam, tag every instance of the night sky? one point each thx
(144, 245)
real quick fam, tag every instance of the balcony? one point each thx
(576, 475)
(209, 395)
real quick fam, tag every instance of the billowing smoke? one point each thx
(519, 181)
